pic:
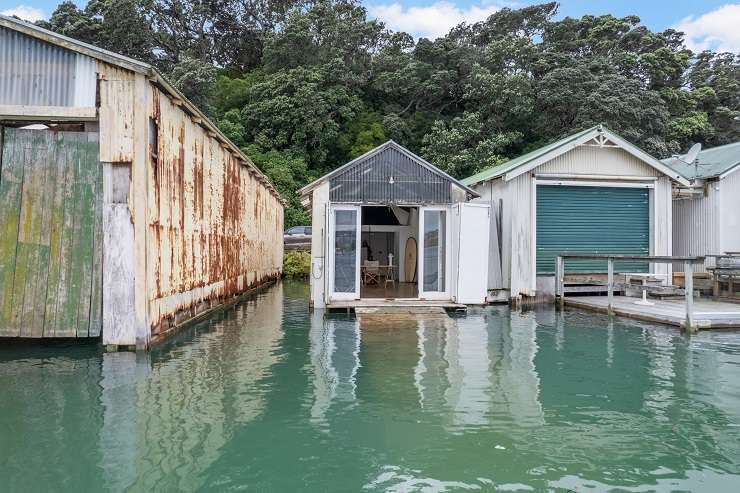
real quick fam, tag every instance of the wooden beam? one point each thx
(560, 279)
(688, 269)
(51, 113)
(610, 285)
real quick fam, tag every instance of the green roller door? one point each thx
(587, 220)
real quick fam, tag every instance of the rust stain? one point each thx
(215, 227)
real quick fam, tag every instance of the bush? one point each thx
(297, 264)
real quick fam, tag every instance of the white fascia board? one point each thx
(647, 158)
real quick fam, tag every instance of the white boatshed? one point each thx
(591, 192)
(390, 226)
(706, 214)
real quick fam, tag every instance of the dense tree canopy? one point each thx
(305, 85)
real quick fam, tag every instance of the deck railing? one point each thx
(688, 263)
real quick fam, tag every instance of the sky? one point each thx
(708, 24)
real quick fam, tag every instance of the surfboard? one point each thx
(410, 260)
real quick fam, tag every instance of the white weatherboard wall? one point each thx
(518, 210)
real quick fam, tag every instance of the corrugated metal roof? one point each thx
(713, 162)
(554, 149)
(381, 148)
(390, 176)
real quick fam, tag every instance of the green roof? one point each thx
(712, 162)
(504, 168)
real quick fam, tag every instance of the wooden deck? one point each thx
(383, 303)
(708, 314)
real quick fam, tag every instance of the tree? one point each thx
(302, 110)
(116, 25)
(306, 85)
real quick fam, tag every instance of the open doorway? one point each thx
(388, 253)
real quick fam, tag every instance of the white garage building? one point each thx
(591, 192)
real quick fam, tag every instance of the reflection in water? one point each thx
(468, 393)
(264, 397)
(121, 374)
(335, 357)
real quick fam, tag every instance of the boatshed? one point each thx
(590, 192)
(389, 226)
(706, 214)
(123, 209)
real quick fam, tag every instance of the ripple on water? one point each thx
(268, 397)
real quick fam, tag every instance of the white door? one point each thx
(344, 252)
(473, 231)
(434, 253)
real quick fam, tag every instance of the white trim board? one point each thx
(605, 184)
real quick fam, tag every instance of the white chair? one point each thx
(371, 272)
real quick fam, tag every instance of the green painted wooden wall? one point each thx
(590, 220)
(50, 234)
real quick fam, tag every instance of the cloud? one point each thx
(30, 14)
(432, 21)
(716, 30)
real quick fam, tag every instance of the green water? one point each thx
(267, 398)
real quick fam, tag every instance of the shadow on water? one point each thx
(268, 397)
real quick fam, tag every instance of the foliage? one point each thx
(288, 171)
(306, 85)
(297, 263)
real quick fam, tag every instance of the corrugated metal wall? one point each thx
(390, 176)
(696, 225)
(214, 229)
(587, 159)
(36, 73)
(730, 213)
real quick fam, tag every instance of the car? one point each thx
(297, 235)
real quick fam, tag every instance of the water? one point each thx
(267, 398)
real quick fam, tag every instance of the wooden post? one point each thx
(559, 283)
(610, 284)
(689, 286)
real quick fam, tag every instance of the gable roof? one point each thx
(146, 69)
(374, 152)
(713, 162)
(526, 162)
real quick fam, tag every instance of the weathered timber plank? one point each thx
(75, 258)
(85, 240)
(116, 114)
(68, 287)
(96, 308)
(50, 185)
(23, 249)
(11, 183)
(30, 233)
(119, 316)
(56, 200)
(56, 113)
